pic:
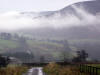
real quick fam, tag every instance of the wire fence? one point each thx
(89, 69)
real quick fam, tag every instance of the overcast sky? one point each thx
(34, 5)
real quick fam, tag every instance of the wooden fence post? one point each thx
(89, 69)
(96, 71)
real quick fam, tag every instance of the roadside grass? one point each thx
(13, 70)
(55, 69)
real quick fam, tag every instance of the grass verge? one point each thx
(13, 70)
(55, 69)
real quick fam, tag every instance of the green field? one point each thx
(6, 45)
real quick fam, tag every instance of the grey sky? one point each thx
(34, 5)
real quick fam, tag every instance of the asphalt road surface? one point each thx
(35, 71)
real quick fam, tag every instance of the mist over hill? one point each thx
(80, 20)
(49, 33)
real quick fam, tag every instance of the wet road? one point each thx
(35, 71)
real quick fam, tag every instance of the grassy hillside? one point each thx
(31, 48)
(50, 49)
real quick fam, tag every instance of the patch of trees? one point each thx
(8, 36)
(22, 56)
(81, 56)
(5, 36)
(4, 61)
(14, 36)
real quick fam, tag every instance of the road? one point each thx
(35, 71)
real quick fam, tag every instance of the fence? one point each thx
(89, 69)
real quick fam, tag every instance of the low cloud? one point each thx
(16, 20)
